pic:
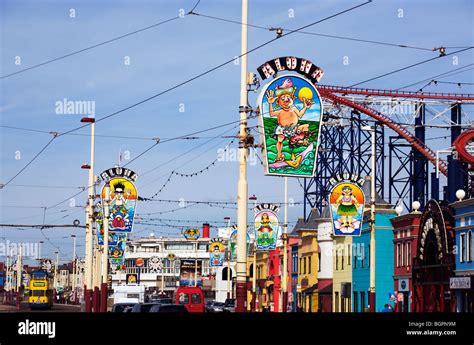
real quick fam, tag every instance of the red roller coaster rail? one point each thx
(394, 93)
(387, 121)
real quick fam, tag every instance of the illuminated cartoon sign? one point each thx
(191, 234)
(117, 252)
(233, 244)
(216, 252)
(290, 118)
(266, 226)
(346, 201)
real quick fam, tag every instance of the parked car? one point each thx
(122, 307)
(191, 297)
(229, 305)
(216, 307)
(168, 308)
(143, 307)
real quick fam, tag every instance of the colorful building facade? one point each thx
(461, 285)
(342, 274)
(405, 241)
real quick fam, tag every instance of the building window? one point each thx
(342, 259)
(362, 301)
(356, 307)
(225, 273)
(337, 261)
(368, 257)
(398, 255)
(469, 246)
(462, 245)
(309, 264)
(336, 301)
(408, 253)
(348, 255)
(301, 266)
(304, 265)
(319, 262)
(355, 261)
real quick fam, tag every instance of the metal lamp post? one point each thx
(89, 220)
(254, 273)
(372, 306)
(242, 189)
(284, 283)
(74, 264)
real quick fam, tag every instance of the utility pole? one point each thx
(105, 253)
(284, 283)
(74, 266)
(56, 270)
(254, 273)
(89, 221)
(372, 227)
(242, 190)
(19, 268)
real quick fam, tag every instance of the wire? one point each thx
(313, 33)
(93, 46)
(410, 66)
(40, 186)
(28, 164)
(437, 76)
(187, 81)
(199, 76)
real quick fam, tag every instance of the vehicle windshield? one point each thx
(120, 308)
(219, 304)
(38, 292)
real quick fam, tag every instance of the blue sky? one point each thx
(164, 56)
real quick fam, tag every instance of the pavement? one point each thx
(57, 308)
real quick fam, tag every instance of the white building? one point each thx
(165, 278)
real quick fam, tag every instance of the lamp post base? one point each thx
(372, 302)
(241, 294)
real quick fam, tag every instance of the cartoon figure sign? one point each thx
(233, 244)
(347, 209)
(117, 251)
(123, 201)
(216, 252)
(266, 227)
(290, 109)
(191, 234)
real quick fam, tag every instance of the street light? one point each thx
(254, 273)
(89, 219)
(74, 265)
(372, 222)
(56, 270)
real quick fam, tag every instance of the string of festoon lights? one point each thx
(176, 173)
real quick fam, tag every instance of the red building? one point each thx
(435, 261)
(405, 242)
(274, 279)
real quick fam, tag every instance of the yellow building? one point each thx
(342, 274)
(308, 266)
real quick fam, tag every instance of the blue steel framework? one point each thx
(344, 147)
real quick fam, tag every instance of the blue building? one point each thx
(462, 284)
(384, 257)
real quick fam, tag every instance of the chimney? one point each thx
(205, 230)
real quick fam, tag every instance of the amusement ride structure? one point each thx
(401, 121)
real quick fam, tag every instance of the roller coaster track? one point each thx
(385, 120)
(394, 93)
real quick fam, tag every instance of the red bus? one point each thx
(191, 297)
